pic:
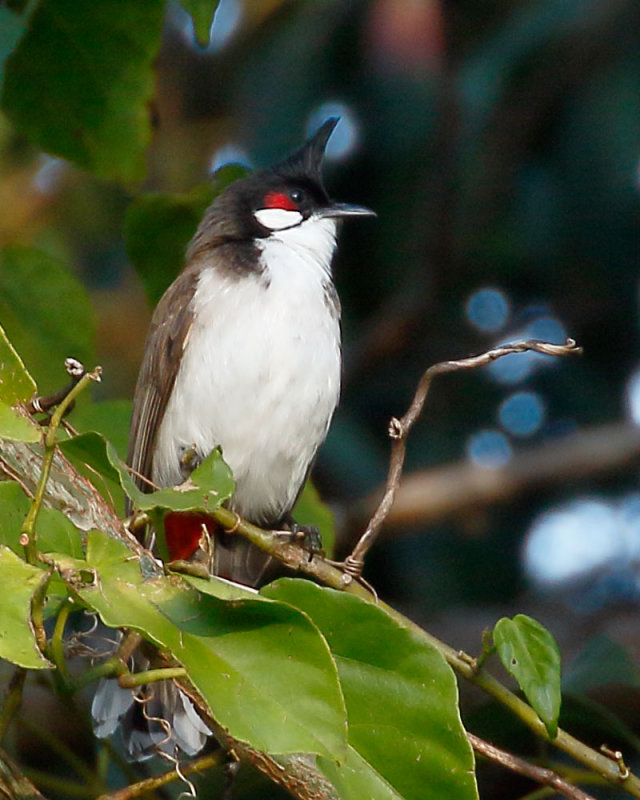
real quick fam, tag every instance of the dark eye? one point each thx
(296, 195)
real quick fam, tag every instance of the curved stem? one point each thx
(138, 789)
(28, 531)
(296, 558)
(543, 775)
(56, 647)
(601, 764)
(399, 429)
(132, 679)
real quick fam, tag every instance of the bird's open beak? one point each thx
(340, 210)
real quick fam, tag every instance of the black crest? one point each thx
(307, 161)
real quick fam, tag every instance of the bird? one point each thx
(243, 353)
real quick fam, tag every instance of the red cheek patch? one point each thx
(279, 200)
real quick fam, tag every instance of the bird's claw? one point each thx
(307, 536)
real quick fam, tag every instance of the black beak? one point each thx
(341, 210)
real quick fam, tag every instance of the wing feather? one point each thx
(170, 326)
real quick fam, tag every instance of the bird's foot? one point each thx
(307, 536)
(189, 460)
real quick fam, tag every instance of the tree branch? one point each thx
(28, 531)
(546, 777)
(83, 504)
(148, 784)
(296, 558)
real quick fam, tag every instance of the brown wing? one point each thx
(167, 335)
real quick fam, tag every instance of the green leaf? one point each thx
(14, 506)
(16, 385)
(110, 418)
(310, 510)
(405, 735)
(19, 581)
(262, 666)
(529, 652)
(208, 486)
(80, 81)
(202, 12)
(96, 459)
(356, 778)
(157, 229)
(57, 534)
(16, 427)
(46, 313)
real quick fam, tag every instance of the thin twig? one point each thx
(601, 764)
(28, 534)
(43, 404)
(56, 646)
(132, 679)
(297, 558)
(14, 783)
(542, 775)
(138, 789)
(399, 430)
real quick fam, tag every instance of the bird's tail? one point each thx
(160, 717)
(153, 718)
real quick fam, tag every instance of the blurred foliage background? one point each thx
(499, 143)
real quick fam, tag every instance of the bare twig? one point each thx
(28, 531)
(399, 430)
(542, 775)
(41, 405)
(297, 558)
(300, 777)
(618, 758)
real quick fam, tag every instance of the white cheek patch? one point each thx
(277, 219)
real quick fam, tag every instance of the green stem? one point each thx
(28, 531)
(37, 611)
(132, 679)
(296, 558)
(149, 784)
(56, 647)
(112, 668)
(598, 762)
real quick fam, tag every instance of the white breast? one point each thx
(260, 374)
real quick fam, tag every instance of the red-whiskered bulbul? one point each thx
(243, 353)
